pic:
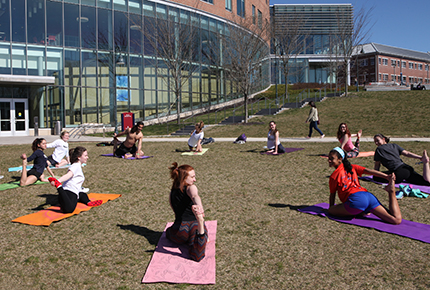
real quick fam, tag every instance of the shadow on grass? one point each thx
(51, 199)
(291, 207)
(257, 150)
(150, 235)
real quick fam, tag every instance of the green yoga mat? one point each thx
(15, 184)
(194, 153)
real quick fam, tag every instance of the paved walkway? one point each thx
(29, 139)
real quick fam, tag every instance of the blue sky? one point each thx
(397, 23)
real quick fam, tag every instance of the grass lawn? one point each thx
(263, 242)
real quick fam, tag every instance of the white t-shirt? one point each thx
(194, 139)
(271, 141)
(61, 149)
(74, 184)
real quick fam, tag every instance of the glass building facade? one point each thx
(320, 24)
(86, 61)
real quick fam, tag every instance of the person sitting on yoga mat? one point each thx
(70, 184)
(273, 143)
(196, 138)
(189, 226)
(128, 147)
(61, 150)
(355, 198)
(39, 164)
(344, 137)
(389, 155)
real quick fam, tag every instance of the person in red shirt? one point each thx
(355, 198)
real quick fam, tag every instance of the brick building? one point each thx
(388, 64)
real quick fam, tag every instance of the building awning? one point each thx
(26, 80)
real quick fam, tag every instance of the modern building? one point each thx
(318, 33)
(388, 64)
(86, 61)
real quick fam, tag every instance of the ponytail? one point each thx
(199, 127)
(179, 174)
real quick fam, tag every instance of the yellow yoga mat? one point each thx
(195, 153)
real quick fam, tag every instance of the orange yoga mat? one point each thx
(47, 216)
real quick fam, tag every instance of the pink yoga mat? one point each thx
(171, 263)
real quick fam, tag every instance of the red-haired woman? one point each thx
(189, 226)
(344, 137)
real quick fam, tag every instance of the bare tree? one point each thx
(244, 49)
(289, 40)
(174, 45)
(352, 29)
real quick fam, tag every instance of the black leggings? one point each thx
(406, 173)
(68, 199)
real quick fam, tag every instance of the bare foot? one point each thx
(359, 134)
(425, 158)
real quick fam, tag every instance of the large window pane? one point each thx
(89, 105)
(136, 72)
(36, 22)
(54, 57)
(89, 76)
(105, 106)
(54, 23)
(18, 20)
(71, 26)
(72, 98)
(135, 33)
(18, 60)
(88, 27)
(120, 5)
(105, 29)
(36, 60)
(135, 6)
(5, 58)
(4, 22)
(71, 67)
(106, 70)
(120, 32)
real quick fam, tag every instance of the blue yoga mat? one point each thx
(409, 229)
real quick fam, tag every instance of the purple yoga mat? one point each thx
(132, 158)
(412, 230)
(287, 150)
(423, 188)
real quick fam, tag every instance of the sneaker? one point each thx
(399, 194)
(322, 136)
(84, 189)
(307, 137)
(1, 176)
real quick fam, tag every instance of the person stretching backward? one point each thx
(356, 200)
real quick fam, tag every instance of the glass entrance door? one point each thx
(5, 120)
(14, 117)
